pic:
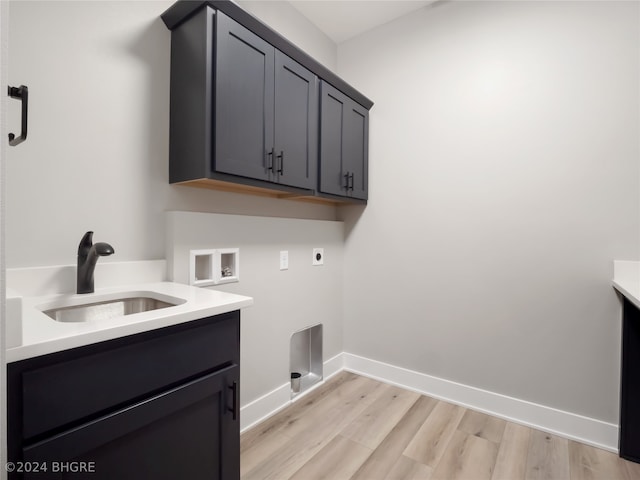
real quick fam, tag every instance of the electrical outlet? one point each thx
(284, 260)
(318, 256)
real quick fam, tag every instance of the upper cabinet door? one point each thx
(344, 138)
(356, 149)
(295, 123)
(332, 107)
(244, 90)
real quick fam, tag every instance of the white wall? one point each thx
(97, 154)
(285, 301)
(296, 28)
(504, 181)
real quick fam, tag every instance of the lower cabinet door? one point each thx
(189, 432)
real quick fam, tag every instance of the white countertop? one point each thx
(626, 279)
(42, 335)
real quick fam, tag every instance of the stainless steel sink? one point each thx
(106, 310)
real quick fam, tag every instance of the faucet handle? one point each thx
(103, 249)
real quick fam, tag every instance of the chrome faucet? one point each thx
(88, 254)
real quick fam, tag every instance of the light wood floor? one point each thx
(353, 427)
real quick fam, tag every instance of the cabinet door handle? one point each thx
(281, 157)
(234, 406)
(270, 160)
(346, 180)
(21, 93)
(351, 184)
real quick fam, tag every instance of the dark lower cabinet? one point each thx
(629, 441)
(155, 427)
(177, 434)
(344, 145)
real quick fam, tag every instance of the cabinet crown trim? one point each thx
(184, 9)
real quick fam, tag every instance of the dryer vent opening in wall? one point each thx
(305, 359)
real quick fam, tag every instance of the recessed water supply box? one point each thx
(228, 266)
(305, 359)
(214, 267)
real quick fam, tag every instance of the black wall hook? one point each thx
(22, 94)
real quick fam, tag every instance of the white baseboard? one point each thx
(565, 424)
(333, 365)
(262, 408)
(271, 403)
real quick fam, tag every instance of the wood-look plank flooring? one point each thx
(353, 427)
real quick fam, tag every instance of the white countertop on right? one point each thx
(626, 279)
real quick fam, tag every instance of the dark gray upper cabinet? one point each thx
(344, 140)
(241, 110)
(246, 110)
